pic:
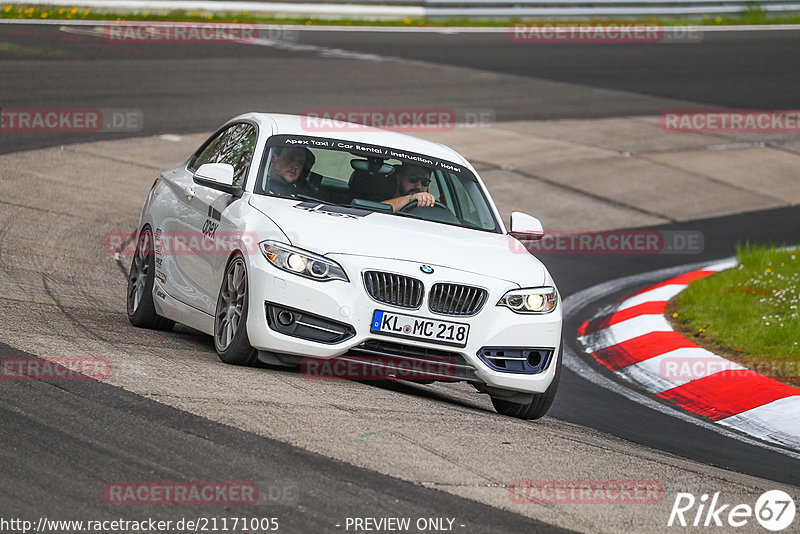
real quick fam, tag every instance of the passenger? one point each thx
(412, 184)
(288, 169)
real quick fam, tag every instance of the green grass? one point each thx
(752, 15)
(749, 313)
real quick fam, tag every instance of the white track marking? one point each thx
(624, 331)
(722, 265)
(777, 421)
(323, 51)
(663, 294)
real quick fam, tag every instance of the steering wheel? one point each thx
(411, 206)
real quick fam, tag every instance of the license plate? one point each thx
(432, 330)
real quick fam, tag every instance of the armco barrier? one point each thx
(601, 8)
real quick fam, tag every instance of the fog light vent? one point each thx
(304, 325)
(529, 361)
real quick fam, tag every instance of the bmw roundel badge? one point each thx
(427, 269)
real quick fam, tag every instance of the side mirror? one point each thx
(525, 227)
(217, 176)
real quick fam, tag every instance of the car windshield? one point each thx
(374, 178)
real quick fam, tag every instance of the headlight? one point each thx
(535, 300)
(302, 262)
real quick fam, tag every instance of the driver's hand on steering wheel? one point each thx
(424, 199)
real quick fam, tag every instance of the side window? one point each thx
(476, 214)
(234, 146)
(210, 152)
(441, 190)
(240, 140)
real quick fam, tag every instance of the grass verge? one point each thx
(752, 15)
(748, 314)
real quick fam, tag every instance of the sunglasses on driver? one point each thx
(425, 182)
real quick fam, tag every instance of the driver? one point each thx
(412, 184)
(288, 169)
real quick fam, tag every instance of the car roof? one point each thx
(284, 124)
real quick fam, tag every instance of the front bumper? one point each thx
(349, 304)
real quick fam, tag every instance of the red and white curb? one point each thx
(635, 341)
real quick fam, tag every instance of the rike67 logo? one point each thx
(774, 510)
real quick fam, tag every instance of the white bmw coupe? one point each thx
(350, 252)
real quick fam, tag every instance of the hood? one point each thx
(330, 229)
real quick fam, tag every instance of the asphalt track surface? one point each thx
(191, 88)
(194, 88)
(119, 434)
